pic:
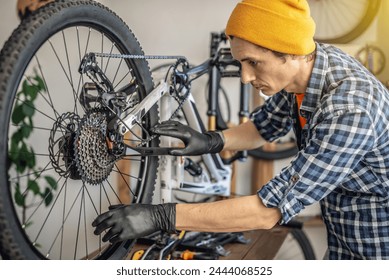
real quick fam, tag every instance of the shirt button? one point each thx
(295, 178)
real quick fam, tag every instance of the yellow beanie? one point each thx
(284, 26)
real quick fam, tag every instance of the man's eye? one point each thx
(252, 62)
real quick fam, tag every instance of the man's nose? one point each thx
(247, 75)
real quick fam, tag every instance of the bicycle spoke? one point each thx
(63, 222)
(41, 94)
(39, 205)
(81, 77)
(39, 111)
(124, 180)
(79, 221)
(48, 214)
(62, 226)
(129, 175)
(85, 232)
(46, 85)
(70, 72)
(64, 71)
(109, 59)
(122, 79)
(28, 174)
(117, 71)
(92, 202)
(32, 127)
(112, 189)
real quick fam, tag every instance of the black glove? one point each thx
(135, 220)
(196, 143)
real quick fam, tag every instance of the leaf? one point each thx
(33, 186)
(28, 224)
(31, 158)
(20, 161)
(41, 84)
(18, 114)
(28, 108)
(48, 196)
(33, 92)
(30, 90)
(17, 137)
(26, 131)
(26, 157)
(25, 87)
(52, 182)
(19, 198)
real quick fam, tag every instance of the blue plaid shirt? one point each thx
(344, 156)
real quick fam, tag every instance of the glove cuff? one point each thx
(166, 217)
(216, 141)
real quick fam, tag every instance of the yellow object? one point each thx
(284, 26)
(138, 255)
(182, 234)
(187, 255)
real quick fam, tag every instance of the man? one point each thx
(339, 113)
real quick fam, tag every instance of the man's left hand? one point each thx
(133, 221)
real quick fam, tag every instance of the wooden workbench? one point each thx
(263, 245)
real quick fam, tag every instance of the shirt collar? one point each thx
(315, 87)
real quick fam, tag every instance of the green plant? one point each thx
(28, 179)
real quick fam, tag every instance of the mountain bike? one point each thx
(77, 102)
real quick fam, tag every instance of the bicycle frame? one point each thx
(217, 178)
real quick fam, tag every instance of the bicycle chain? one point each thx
(138, 56)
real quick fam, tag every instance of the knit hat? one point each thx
(284, 26)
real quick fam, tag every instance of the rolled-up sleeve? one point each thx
(336, 144)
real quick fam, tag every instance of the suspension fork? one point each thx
(244, 111)
(214, 84)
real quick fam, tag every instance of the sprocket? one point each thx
(93, 159)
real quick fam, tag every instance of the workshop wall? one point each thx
(383, 38)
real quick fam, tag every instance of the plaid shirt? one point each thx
(344, 156)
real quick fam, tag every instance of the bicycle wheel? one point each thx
(296, 247)
(341, 21)
(282, 150)
(57, 173)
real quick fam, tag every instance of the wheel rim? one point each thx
(55, 209)
(341, 21)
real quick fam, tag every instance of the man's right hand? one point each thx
(196, 143)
